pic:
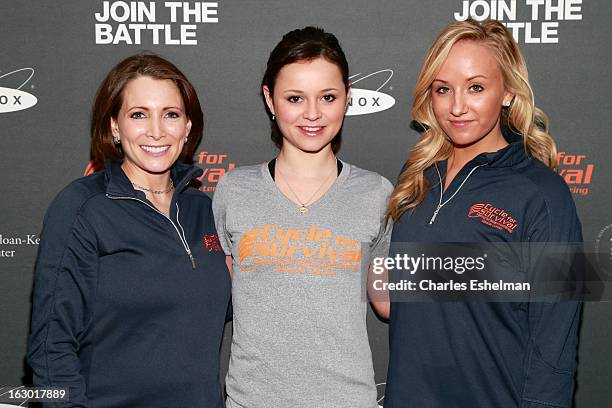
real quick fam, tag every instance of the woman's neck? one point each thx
(295, 162)
(305, 177)
(151, 181)
(461, 155)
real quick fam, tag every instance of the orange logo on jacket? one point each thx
(493, 217)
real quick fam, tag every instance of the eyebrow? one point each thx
(469, 79)
(300, 91)
(145, 108)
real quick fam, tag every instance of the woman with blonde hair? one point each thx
(482, 172)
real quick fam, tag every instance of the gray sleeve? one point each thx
(380, 246)
(219, 206)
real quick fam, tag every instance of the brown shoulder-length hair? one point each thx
(304, 44)
(109, 99)
(522, 116)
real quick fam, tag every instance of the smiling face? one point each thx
(467, 97)
(309, 102)
(151, 125)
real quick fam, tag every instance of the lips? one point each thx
(460, 123)
(311, 130)
(155, 149)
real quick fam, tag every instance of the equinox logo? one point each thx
(364, 101)
(13, 99)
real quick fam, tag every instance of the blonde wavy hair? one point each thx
(522, 116)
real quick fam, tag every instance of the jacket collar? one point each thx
(117, 183)
(515, 154)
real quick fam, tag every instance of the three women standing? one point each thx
(130, 298)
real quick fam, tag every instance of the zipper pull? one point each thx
(192, 260)
(433, 217)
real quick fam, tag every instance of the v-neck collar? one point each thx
(291, 205)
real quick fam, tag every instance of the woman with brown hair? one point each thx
(131, 288)
(482, 172)
(297, 231)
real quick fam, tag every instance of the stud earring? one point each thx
(273, 117)
(116, 139)
(506, 104)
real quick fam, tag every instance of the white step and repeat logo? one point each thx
(543, 16)
(170, 23)
(13, 98)
(364, 101)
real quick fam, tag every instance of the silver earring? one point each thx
(116, 139)
(507, 103)
(186, 138)
(273, 117)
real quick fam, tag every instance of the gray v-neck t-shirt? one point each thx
(298, 293)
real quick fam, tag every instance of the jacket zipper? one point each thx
(442, 204)
(181, 236)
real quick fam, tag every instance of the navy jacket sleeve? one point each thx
(553, 336)
(64, 284)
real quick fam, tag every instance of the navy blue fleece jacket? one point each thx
(129, 305)
(477, 354)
